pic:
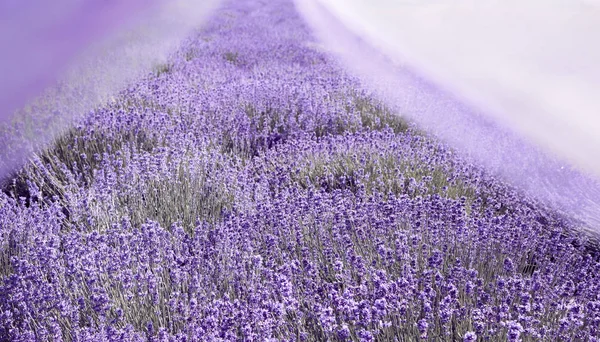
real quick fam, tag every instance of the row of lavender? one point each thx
(249, 192)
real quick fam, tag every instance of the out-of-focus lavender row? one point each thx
(61, 59)
(40, 39)
(249, 190)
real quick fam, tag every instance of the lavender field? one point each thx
(252, 190)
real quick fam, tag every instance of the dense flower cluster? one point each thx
(250, 191)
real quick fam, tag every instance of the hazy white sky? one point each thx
(532, 65)
(509, 84)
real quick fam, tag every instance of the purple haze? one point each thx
(61, 59)
(40, 38)
(499, 147)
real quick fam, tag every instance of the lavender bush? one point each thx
(251, 191)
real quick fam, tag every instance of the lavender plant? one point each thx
(252, 191)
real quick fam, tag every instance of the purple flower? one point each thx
(422, 325)
(514, 330)
(343, 332)
(509, 266)
(365, 336)
(470, 337)
(436, 259)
